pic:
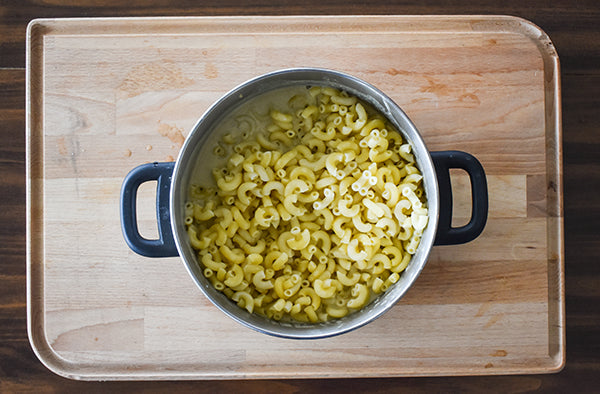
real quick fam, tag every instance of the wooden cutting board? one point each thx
(105, 95)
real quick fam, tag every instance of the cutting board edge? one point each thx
(36, 30)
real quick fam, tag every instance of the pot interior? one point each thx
(195, 165)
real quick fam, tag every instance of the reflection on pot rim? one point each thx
(255, 87)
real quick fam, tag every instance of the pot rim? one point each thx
(252, 88)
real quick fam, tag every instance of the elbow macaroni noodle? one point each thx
(317, 210)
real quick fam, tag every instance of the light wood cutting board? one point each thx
(105, 95)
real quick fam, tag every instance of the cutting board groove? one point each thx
(105, 95)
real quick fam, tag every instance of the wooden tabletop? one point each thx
(575, 33)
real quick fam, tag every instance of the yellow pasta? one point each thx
(317, 209)
(361, 295)
(235, 276)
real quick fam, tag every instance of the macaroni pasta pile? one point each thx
(317, 210)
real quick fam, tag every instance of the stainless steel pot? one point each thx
(173, 182)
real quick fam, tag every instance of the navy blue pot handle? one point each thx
(164, 246)
(443, 162)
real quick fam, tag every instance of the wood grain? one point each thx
(99, 114)
(574, 30)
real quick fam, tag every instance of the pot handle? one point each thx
(443, 162)
(164, 246)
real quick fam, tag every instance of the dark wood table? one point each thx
(574, 27)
